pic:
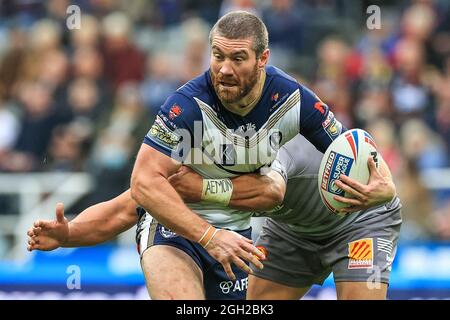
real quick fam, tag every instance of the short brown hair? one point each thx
(242, 25)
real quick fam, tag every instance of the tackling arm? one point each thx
(255, 192)
(251, 192)
(102, 222)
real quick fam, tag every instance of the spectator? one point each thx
(123, 59)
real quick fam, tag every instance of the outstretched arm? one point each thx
(255, 192)
(98, 223)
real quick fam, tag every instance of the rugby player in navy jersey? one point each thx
(236, 115)
(304, 241)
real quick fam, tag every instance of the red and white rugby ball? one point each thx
(348, 155)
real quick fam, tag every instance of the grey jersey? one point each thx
(303, 210)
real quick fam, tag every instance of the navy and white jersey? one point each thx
(194, 128)
(303, 210)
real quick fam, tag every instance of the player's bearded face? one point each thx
(231, 89)
(234, 68)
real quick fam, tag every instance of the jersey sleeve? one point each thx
(317, 122)
(172, 133)
(282, 163)
(294, 163)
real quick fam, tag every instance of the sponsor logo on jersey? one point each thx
(327, 121)
(175, 111)
(360, 254)
(336, 165)
(233, 286)
(352, 138)
(277, 100)
(334, 129)
(162, 135)
(167, 121)
(167, 233)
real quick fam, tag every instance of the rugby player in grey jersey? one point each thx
(304, 242)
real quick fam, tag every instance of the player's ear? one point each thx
(263, 59)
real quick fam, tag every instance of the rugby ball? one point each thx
(348, 155)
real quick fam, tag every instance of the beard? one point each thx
(236, 91)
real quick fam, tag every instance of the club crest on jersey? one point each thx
(274, 97)
(175, 111)
(248, 129)
(275, 140)
(352, 138)
(336, 165)
(360, 254)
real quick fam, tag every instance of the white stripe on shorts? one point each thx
(145, 231)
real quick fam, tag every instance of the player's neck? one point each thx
(246, 104)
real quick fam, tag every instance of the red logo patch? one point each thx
(175, 111)
(320, 106)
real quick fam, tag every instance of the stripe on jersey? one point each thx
(256, 138)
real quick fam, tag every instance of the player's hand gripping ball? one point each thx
(347, 155)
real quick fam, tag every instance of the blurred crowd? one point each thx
(83, 99)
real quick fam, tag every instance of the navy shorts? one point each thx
(216, 282)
